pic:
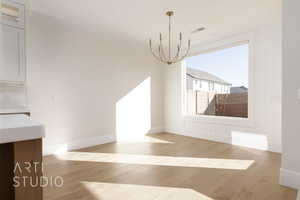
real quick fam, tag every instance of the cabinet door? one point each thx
(12, 54)
(7, 171)
(28, 158)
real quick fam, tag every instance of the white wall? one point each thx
(290, 172)
(76, 78)
(266, 97)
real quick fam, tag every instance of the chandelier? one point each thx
(169, 58)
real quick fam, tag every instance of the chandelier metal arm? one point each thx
(170, 14)
(152, 52)
(186, 54)
(162, 54)
(179, 47)
(158, 57)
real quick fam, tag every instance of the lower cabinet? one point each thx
(21, 170)
(28, 170)
(7, 171)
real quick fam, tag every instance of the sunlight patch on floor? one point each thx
(111, 191)
(158, 160)
(250, 140)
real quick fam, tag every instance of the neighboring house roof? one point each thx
(202, 75)
(236, 90)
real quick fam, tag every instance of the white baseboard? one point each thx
(87, 142)
(78, 144)
(172, 131)
(223, 138)
(155, 130)
(290, 178)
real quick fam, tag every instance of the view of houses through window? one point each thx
(217, 82)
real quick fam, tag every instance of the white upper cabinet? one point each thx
(12, 13)
(12, 42)
(12, 58)
(19, 1)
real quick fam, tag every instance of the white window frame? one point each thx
(215, 46)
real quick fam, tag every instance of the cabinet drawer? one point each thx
(12, 14)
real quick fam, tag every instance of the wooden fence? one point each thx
(209, 103)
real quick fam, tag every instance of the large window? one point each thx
(217, 82)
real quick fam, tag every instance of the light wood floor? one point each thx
(167, 166)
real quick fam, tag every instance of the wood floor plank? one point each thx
(121, 178)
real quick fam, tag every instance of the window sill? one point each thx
(233, 121)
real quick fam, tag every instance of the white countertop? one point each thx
(19, 127)
(14, 110)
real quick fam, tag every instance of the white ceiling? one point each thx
(140, 19)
